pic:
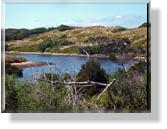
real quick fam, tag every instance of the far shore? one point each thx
(56, 54)
(141, 58)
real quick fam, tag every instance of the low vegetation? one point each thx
(67, 39)
(86, 90)
(127, 94)
(18, 34)
(9, 69)
(64, 28)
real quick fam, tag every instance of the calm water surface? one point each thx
(63, 64)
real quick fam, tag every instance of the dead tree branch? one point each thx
(106, 88)
(74, 83)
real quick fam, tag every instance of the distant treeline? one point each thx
(18, 34)
(145, 25)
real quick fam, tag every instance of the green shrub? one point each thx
(93, 72)
(13, 70)
(63, 36)
(45, 44)
(140, 47)
(34, 97)
(130, 92)
(119, 29)
(64, 27)
(11, 95)
(112, 56)
(143, 25)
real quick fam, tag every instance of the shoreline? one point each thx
(57, 54)
(69, 54)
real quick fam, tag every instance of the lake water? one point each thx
(63, 64)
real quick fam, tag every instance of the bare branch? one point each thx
(75, 83)
(84, 51)
(106, 88)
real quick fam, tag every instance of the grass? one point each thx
(140, 47)
(71, 50)
(81, 35)
(28, 48)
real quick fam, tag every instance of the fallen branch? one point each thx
(84, 51)
(106, 88)
(74, 83)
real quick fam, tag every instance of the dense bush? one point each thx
(116, 46)
(127, 94)
(93, 72)
(119, 29)
(140, 47)
(100, 40)
(45, 44)
(112, 56)
(33, 97)
(131, 88)
(18, 34)
(12, 69)
(64, 27)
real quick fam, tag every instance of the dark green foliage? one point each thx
(119, 29)
(145, 25)
(64, 27)
(107, 46)
(18, 34)
(28, 48)
(140, 47)
(128, 92)
(45, 44)
(112, 56)
(131, 89)
(34, 97)
(13, 70)
(11, 95)
(55, 43)
(140, 67)
(63, 36)
(100, 40)
(64, 42)
(93, 72)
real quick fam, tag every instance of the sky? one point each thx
(52, 15)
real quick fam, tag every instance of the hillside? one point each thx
(94, 40)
